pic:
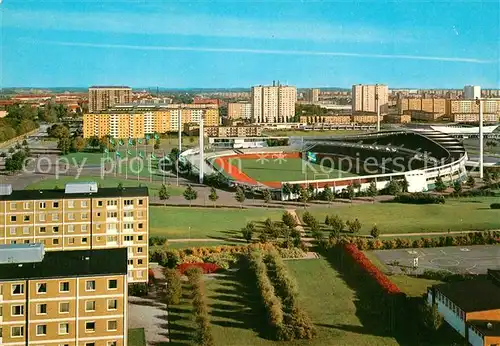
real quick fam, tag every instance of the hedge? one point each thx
(419, 198)
(367, 266)
(206, 268)
(203, 333)
(495, 205)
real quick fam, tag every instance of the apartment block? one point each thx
(311, 95)
(325, 119)
(366, 97)
(63, 298)
(81, 217)
(471, 92)
(239, 110)
(273, 104)
(397, 118)
(364, 118)
(431, 105)
(103, 97)
(467, 111)
(224, 131)
(137, 120)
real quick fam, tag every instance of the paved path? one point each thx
(150, 314)
(299, 226)
(430, 233)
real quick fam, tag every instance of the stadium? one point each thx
(419, 156)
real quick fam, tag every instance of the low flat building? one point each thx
(471, 307)
(365, 118)
(473, 117)
(397, 118)
(74, 298)
(325, 119)
(224, 131)
(417, 115)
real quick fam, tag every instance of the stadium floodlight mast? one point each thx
(179, 120)
(378, 111)
(481, 138)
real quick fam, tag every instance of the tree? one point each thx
(336, 224)
(353, 226)
(357, 186)
(64, 144)
(240, 195)
(350, 192)
(404, 185)
(457, 186)
(431, 318)
(439, 185)
(213, 195)
(163, 194)
(287, 189)
(375, 232)
(190, 194)
(15, 163)
(289, 220)
(296, 189)
(311, 191)
(487, 177)
(372, 190)
(471, 181)
(304, 196)
(308, 219)
(25, 142)
(327, 194)
(393, 187)
(157, 144)
(78, 144)
(248, 231)
(58, 131)
(120, 186)
(173, 286)
(266, 194)
(495, 175)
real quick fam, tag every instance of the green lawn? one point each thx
(289, 169)
(455, 215)
(299, 133)
(185, 222)
(196, 244)
(237, 317)
(136, 337)
(107, 181)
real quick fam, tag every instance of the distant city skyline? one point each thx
(220, 44)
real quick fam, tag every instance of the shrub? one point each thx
(173, 289)
(138, 289)
(353, 226)
(203, 333)
(192, 259)
(223, 260)
(308, 219)
(375, 232)
(419, 198)
(293, 252)
(207, 268)
(155, 240)
(164, 257)
(495, 205)
(418, 243)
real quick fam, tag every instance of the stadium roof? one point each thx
(464, 130)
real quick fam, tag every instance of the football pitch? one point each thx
(284, 169)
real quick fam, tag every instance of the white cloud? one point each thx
(267, 51)
(202, 25)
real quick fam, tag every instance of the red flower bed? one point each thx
(207, 268)
(360, 258)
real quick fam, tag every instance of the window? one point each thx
(41, 309)
(64, 286)
(84, 240)
(112, 238)
(64, 307)
(112, 203)
(55, 229)
(26, 205)
(139, 226)
(26, 218)
(112, 214)
(71, 204)
(17, 310)
(112, 304)
(90, 344)
(140, 237)
(41, 329)
(90, 285)
(99, 203)
(112, 325)
(42, 230)
(63, 328)
(55, 241)
(71, 228)
(90, 305)
(13, 206)
(84, 204)
(128, 238)
(112, 284)
(140, 201)
(17, 332)
(139, 249)
(85, 216)
(17, 289)
(139, 261)
(71, 241)
(41, 288)
(26, 230)
(128, 226)
(112, 343)
(139, 274)
(26, 242)
(90, 326)
(71, 216)
(55, 217)
(84, 228)
(130, 262)
(55, 205)
(128, 214)
(128, 202)
(42, 205)
(12, 231)
(13, 218)
(140, 214)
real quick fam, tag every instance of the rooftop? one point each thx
(69, 264)
(109, 87)
(487, 328)
(107, 192)
(472, 295)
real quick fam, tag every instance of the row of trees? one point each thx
(19, 120)
(203, 333)
(67, 142)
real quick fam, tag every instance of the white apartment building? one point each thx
(273, 104)
(364, 98)
(471, 92)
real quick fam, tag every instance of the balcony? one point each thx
(128, 207)
(128, 219)
(111, 207)
(112, 231)
(128, 242)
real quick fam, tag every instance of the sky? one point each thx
(229, 44)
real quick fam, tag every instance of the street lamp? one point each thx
(378, 111)
(201, 139)
(481, 138)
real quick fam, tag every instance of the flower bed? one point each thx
(367, 266)
(207, 268)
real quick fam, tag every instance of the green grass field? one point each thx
(236, 313)
(107, 181)
(196, 223)
(290, 169)
(299, 133)
(456, 215)
(136, 337)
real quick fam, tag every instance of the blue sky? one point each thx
(182, 44)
